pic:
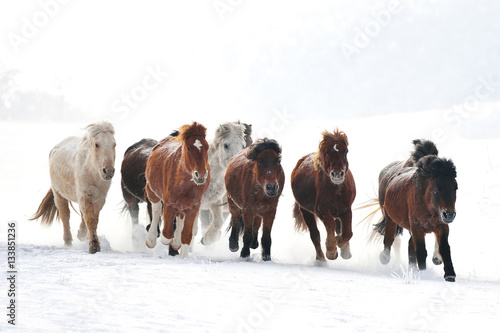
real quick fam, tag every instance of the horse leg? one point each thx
(445, 252)
(257, 221)
(412, 254)
(248, 235)
(167, 234)
(236, 222)
(187, 232)
(212, 234)
(205, 220)
(310, 220)
(151, 237)
(82, 231)
(436, 256)
(266, 235)
(389, 236)
(418, 238)
(331, 241)
(91, 218)
(63, 209)
(345, 235)
(179, 225)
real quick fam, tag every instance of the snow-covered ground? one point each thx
(430, 70)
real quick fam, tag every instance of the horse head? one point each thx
(228, 141)
(266, 153)
(441, 189)
(195, 151)
(332, 156)
(100, 140)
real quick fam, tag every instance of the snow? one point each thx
(431, 72)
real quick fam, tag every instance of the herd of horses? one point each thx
(183, 178)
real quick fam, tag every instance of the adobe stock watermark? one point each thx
(278, 122)
(265, 308)
(153, 78)
(32, 25)
(222, 7)
(364, 36)
(456, 115)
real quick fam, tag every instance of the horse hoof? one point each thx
(245, 253)
(436, 261)
(172, 252)
(175, 247)
(346, 255)
(68, 244)
(94, 250)
(449, 278)
(332, 256)
(82, 236)
(254, 245)
(385, 257)
(266, 257)
(233, 245)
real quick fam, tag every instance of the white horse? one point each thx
(230, 138)
(80, 171)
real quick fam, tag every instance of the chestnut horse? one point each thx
(177, 176)
(254, 182)
(420, 199)
(80, 171)
(323, 186)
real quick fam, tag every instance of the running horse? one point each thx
(177, 176)
(419, 195)
(323, 186)
(254, 181)
(81, 170)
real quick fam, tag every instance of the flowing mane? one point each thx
(433, 167)
(94, 129)
(328, 142)
(188, 131)
(225, 130)
(422, 148)
(260, 145)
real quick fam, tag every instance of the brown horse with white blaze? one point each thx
(177, 176)
(323, 186)
(254, 181)
(421, 199)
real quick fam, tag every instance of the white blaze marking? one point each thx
(335, 147)
(198, 144)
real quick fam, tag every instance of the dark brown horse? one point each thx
(254, 182)
(177, 176)
(323, 186)
(133, 182)
(420, 198)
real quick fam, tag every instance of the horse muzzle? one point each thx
(199, 179)
(108, 173)
(337, 177)
(271, 190)
(448, 216)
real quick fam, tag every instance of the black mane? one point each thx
(261, 145)
(422, 148)
(142, 143)
(434, 167)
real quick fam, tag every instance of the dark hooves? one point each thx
(172, 252)
(94, 250)
(233, 245)
(449, 278)
(254, 244)
(266, 257)
(245, 253)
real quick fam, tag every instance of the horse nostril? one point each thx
(196, 174)
(276, 187)
(342, 173)
(104, 170)
(269, 187)
(332, 173)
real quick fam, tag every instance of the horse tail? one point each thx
(422, 148)
(47, 210)
(300, 223)
(242, 227)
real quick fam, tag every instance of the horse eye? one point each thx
(97, 145)
(226, 146)
(189, 149)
